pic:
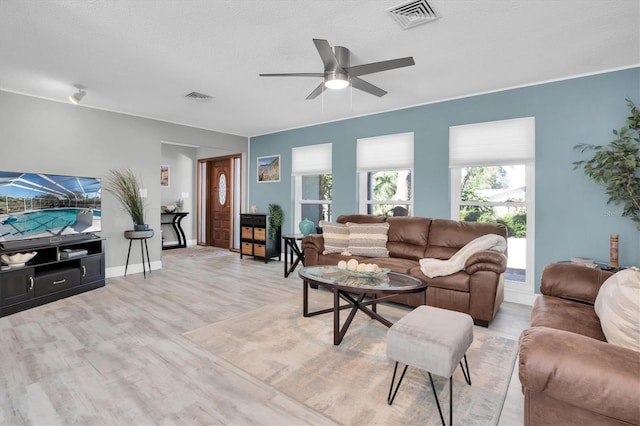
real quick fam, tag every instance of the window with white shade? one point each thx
(492, 178)
(311, 170)
(385, 170)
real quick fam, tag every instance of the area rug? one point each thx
(349, 383)
(196, 253)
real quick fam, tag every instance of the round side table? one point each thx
(141, 236)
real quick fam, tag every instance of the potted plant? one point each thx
(616, 166)
(276, 216)
(124, 185)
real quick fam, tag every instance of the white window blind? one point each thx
(385, 152)
(311, 160)
(492, 143)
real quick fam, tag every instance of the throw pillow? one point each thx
(617, 305)
(336, 237)
(368, 239)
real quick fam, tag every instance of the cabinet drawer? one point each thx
(247, 232)
(260, 234)
(247, 248)
(53, 281)
(259, 250)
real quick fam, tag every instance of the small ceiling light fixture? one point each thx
(77, 97)
(336, 81)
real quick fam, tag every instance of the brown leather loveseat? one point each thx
(570, 375)
(477, 290)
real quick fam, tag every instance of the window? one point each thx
(385, 169)
(311, 169)
(492, 166)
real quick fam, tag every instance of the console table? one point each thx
(174, 220)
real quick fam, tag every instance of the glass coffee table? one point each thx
(354, 287)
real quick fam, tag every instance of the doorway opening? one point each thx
(219, 198)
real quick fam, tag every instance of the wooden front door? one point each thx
(220, 203)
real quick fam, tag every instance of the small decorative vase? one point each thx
(306, 227)
(143, 227)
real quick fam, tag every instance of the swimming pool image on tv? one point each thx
(49, 222)
(44, 220)
(43, 205)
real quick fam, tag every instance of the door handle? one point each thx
(30, 283)
(59, 282)
(84, 271)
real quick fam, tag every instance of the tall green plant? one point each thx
(616, 166)
(124, 185)
(276, 217)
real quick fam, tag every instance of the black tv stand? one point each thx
(52, 274)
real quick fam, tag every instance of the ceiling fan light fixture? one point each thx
(336, 81)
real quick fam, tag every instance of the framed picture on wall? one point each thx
(268, 169)
(164, 175)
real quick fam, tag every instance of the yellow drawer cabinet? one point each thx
(256, 238)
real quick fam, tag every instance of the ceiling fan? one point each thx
(338, 73)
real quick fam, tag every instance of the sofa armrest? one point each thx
(571, 281)
(312, 247)
(581, 371)
(486, 260)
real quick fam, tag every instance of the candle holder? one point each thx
(613, 250)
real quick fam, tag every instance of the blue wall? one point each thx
(571, 214)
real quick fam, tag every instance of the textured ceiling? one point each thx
(142, 57)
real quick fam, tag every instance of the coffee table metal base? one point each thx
(353, 303)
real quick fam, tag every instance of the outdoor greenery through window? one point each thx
(315, 197)
(385, 170)
(498, 194)
(311, 169)
(388, 193)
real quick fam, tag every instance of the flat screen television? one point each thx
(37, 208)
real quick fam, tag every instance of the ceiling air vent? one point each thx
(412, 13)
(198, 96)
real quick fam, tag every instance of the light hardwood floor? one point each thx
(117, 355)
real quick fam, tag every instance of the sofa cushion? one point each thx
(336, 237)
(368, 239)
(396, 264)
(360, 218)
(439, 268)
(408, 236)
(617, 305)
(446, 237)
(562, 314)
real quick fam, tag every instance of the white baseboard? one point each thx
(134, 268)
(520, 297)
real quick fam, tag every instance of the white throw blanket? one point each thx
(437, 268)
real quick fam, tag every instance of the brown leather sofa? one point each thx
(569, 373)
(477, 290)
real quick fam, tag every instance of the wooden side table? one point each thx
(292, 248)
(141, 236)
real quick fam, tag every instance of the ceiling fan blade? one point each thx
(321, 87)
(379, 66)
(297, 74)
(326, 54)
(367, 87)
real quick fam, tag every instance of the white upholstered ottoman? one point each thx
(431, 339)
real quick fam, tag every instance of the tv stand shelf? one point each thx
(50, 276)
